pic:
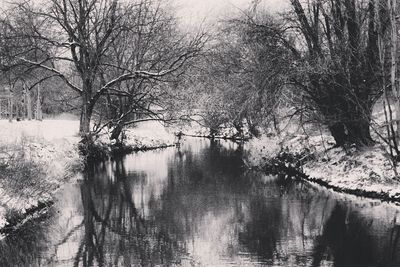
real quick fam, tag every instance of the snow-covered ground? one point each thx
(195, 129)
(144, 135)
(37, 157)
(48, 150)
(366, 170)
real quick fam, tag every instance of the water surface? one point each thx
(199, 206)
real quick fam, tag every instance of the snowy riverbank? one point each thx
(227, 132)
(36, 158)
(365, 172)
(144, 136)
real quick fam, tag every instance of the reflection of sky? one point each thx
(218, 217)
(66, 221)
(153, 163)
(229, 145)
(147, 172)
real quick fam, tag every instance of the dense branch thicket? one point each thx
(115, 55)
(238, 81)
(339, 68)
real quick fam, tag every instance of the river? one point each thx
(198, 205)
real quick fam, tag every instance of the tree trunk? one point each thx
(392, 5)
(355, 132)
(87, 108)
(39, 116)
(10, 108)
(359, 133)
(86, 114)
(338, 132)
(213, 133)
(28, 104)
(239, 128)
(116, 133)
(84, 126)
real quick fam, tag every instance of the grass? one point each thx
(18, 172)
(23, 183)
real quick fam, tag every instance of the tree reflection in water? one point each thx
(350, 239)
(115, 232)
(198, 205)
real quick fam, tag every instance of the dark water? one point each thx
(198, 206)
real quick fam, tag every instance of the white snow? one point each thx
(52, 145)
(195, 129)
(143, 135)
(368, 169)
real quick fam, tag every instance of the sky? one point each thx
(197, 12)
(194, 12)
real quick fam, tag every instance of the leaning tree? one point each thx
(338, 67)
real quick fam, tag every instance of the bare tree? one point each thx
(80, 37)
(240, 78)
(392, 10)
(152, 43)
(339, 66)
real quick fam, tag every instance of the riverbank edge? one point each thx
(18, 218)
(71, 169)
(295, 166)
(230, 138)
(128, 148)
(296, 173)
